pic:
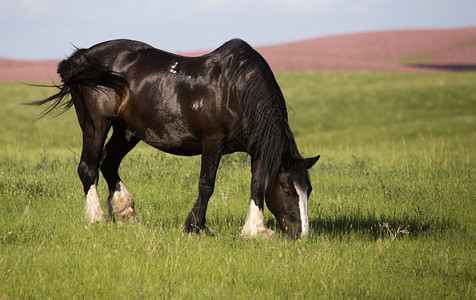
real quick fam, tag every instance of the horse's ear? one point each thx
(309, 162)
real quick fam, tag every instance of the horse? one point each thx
(223, 102)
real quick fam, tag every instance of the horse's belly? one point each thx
(174, 140)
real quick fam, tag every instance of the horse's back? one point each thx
(112, 53)
(116, 47)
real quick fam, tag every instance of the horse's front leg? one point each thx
(255, 224)
(195, 221)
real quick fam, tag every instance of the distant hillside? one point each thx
(28, 71)
(387, 51)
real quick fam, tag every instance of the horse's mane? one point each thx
(270, 138)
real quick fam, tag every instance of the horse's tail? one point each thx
(81, 70)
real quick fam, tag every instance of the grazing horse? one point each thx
(216, 104)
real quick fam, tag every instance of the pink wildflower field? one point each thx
(386, 51)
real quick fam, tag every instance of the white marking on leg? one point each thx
(254, 224)
(121, 205)
(92, 209)
(303, 210)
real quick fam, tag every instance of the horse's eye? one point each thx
(288, 192)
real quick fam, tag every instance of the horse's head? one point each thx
(287, 196)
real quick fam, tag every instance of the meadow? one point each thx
(392, 213)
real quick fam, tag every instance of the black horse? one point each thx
(216, 104)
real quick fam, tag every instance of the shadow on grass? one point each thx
(374, 227)
(377, 227)
(447, 67)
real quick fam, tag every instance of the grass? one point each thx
(392, 212)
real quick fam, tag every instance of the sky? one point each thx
(50, 29)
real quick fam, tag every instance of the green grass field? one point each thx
(392, 213)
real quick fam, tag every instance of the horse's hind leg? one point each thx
(93, 141)
(120, 202)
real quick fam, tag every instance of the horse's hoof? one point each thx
(123, 221)
(198, 231)
(266, 233)
(259, 233)
(208, 231)
(96, 217)
(126, 216)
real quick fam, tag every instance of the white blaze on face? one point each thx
(303, 210)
